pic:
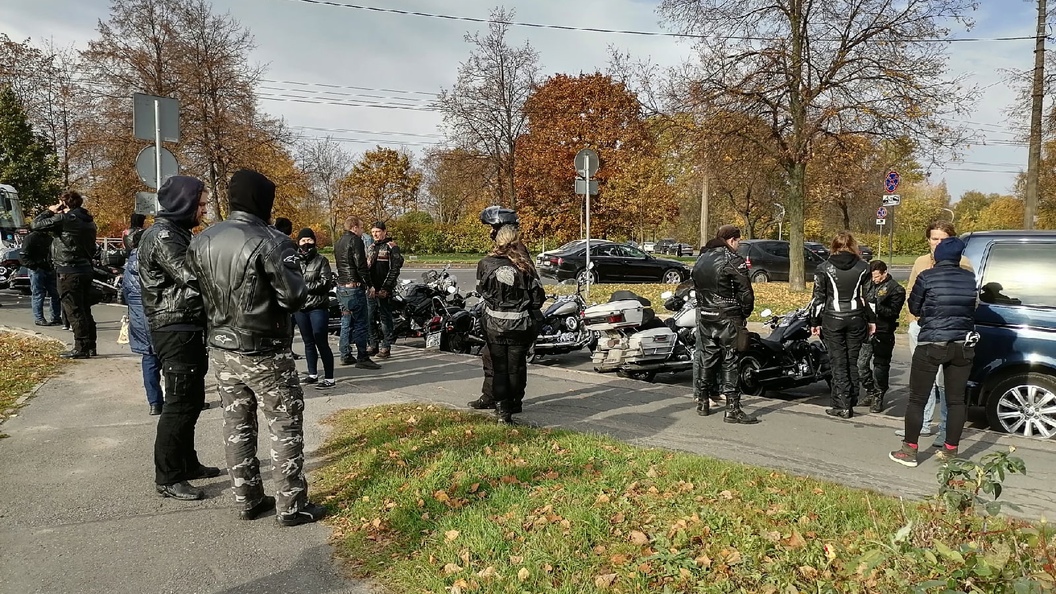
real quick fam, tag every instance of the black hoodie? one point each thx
(249, 191)
(179, 198)
(840, 285)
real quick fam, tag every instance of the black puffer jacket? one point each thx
(944, 298)
(251, 280)
(886, 299)
(840, 285)
(170, 292)
(350, 256)
(74, 244)
(512, 298)
(720, 276)
(317, 280)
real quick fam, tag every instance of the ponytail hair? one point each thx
(508, 244)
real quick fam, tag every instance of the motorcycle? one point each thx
(562, 329)
(787, 358)
(435, 310)
(637, 345)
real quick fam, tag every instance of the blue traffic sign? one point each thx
(881, 213)
(891, 181)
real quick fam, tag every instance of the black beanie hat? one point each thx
(249, 191)
(306, 232)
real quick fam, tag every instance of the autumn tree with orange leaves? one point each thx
(566, 114)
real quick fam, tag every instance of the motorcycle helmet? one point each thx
(497, 216)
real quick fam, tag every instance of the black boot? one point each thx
(704, 406)
(843, 413)
(877, 405)
(734, 414)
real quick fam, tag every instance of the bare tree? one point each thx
(811, 69)
(454, 182)
(326, 164)
(484, 111)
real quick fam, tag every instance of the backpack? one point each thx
(36, 250)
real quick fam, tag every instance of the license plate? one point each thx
(432, 340)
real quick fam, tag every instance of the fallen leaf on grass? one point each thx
(638, 538)
(618, 559)
(451, 568)
(795, 541)
(516, 559)
(703, 561)
(451, 535)
(441, 496)
(605, 580)
(603, 498)
(726, 495)
(523, 574)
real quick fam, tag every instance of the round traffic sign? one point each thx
(146, 166)
(891, 181)
(881, 213)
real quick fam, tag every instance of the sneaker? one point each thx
(946, 454)
(923, 432)
(384, 353)
(252, 512)
(348, 360)
(325, 383)
(41, 322)
(73, 355)
(66, 328)
(364, 362)
(481, 404)
(906, 456)
(311, 379)
(306, 515)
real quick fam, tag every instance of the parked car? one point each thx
(867, 252)
(680, 249)
(1014, 372)
(13, 275)
(663, 246)
(818, 248)
(612, 263)
(768, 260)
(649, 247)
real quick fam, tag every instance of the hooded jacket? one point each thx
(74, 244)
(720, 277)
(944, 297)
(170, 293)
(249, 272)
(840, 285)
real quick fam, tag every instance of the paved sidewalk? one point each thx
(78, 512)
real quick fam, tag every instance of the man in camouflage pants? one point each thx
(251, 280)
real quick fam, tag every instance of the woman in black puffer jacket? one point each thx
(312, 320)
(944, 298)
(842, 318)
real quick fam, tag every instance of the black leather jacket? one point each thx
(170, 292)
(720, 277)
(317, 280)
(886, 299)
(512, 298)
(131, 238)
(74, 244)
(251, 280)
(840, 285)
(351, 259)
(385, 261)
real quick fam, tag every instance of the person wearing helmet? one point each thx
(495, 217)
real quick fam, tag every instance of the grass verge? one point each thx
(433, 500)
(25, 361)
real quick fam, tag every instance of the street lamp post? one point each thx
(780, 221)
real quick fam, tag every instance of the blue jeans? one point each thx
(152, 379)
(353, 303)
(380, 309)
(313, 326)
(44, 283)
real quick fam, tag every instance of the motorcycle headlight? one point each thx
(571, 323)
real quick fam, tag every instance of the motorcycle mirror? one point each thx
(766, 313)
(452, 290)
(667, 295)
(693, 294)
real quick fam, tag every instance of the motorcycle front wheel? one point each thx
(748, 376)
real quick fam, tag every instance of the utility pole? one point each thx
(1037, 99)
(704, 224)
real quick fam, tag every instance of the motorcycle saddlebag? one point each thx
(613, 315)
(650, 346)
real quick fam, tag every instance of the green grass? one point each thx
(427, 499)
(25, 361)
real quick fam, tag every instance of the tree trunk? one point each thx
(846, 210)
(797, 178)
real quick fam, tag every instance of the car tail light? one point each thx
(748, 261)
(616, 318)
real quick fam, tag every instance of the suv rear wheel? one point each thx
(1024, 404)
(760, 276)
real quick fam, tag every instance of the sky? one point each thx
(400, 59)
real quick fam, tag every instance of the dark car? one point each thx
(1014, 372)
(663, 246)
(867, 252)
(612, 263)
(768, 260)
(817, 248)
(680, 249)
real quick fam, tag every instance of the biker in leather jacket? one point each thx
(724, 301)
(317, 278)
(250, 276)
(351, 261)
(74, 244)
(170, 292)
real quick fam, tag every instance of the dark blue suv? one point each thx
(1014, 374)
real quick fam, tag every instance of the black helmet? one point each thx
(497, 216)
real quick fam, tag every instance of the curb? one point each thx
(32, 391)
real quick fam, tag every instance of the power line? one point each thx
(365, 140)
(352, 131)
(342, 94)
(315, 101)
(600, 30)
(317, 84)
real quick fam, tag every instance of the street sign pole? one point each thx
(586, 198)
(586, 164)
(157, 140)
